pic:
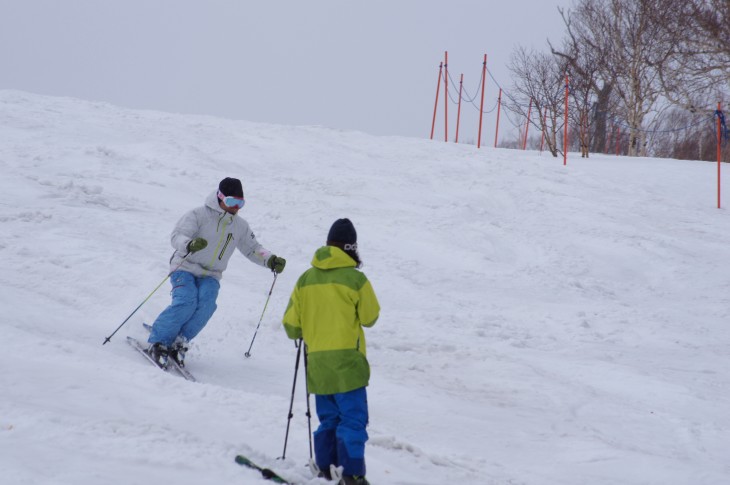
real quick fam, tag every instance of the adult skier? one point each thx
(204, 240)
(331, 303)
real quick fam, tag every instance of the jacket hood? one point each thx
(331, 257)
(212, 201)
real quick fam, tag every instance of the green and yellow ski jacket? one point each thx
(330, 304)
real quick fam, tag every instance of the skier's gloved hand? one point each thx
(197, 244)
(276, 264)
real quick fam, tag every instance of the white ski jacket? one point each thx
(224, 233)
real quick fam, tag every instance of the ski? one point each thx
(181, 370)
(265, 472)
(172, 363)
(142, 349)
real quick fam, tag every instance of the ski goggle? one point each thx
(231, 201)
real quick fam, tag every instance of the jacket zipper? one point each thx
(228, 240)
(220, 240)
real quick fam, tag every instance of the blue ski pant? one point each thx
(341, 436)
(193, 303)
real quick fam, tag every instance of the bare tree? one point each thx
(629, 61)
(698, 67)
(538, 78)
(624, 40)
(585, 51)
(639, 45)
(583, 114)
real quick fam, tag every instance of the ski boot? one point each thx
(179, 349)
(159, 353)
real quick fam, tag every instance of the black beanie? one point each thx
(231, 187)
(342, 231)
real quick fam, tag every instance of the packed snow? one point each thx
(541, 324)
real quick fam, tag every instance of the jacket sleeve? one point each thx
(185, 230)
(250, 247)
(292, 322)
(368, 308)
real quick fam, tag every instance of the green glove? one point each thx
(197, 244)
(276, 264)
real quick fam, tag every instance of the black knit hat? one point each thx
(342, 231)
(231, 187)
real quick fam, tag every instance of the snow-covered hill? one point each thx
(540, 324)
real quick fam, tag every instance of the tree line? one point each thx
(645, 74)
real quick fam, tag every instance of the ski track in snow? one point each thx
(540, 324)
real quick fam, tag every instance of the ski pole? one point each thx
(248, 352)
(309, 412)
(291, 404)
(145, 300)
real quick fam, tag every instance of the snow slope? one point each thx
(540, 324)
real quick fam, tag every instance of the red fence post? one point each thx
(481, 105)
(582, 134)
(565, 132)
(446, 96)
(458, 110)
(499, 107)
(527, 126)
(436, 104)
(719, 151)
(544, 127)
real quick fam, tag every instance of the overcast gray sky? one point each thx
(369, 65)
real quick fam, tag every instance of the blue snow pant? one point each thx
(341, 436)
(193, 303)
